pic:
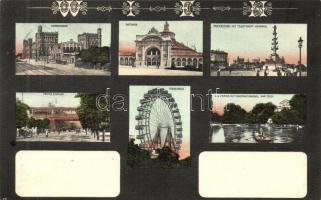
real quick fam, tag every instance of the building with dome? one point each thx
(161, 50)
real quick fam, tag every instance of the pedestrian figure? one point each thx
(265, 72)
(258, 73)
(219, 72)
(47, 132)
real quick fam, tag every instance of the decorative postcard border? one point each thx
(131, 8)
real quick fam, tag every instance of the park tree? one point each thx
(233, 114)
(286, 116)
(21, 114)
(136, 156)
(31, 122)
(167, 158)
(90, 116)
(41, 124)
(95, 55)
(296, 114)
(45, 124)
(261, 113)
(298, 105)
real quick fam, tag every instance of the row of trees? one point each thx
(91, 117)
(235, 114)
(22, 119)
(95, 55)
(41, 124)
(138, 157)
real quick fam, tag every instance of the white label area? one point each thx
(67, 173)
(253, 174)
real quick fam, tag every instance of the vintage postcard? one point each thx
(159, 127)
(63, 49)
(61, 117)
(257, 118)
(259, 50)
(160, 48)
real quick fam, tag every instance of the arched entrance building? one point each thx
(161, 50)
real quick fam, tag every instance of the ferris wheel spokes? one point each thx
(158, 111)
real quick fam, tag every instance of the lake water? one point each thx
(243, 133)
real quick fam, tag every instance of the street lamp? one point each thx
(300, 41)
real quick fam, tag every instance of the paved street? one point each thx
(66, 137)
(143, 71)
(31, 67)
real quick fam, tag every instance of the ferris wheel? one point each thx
(159, 121)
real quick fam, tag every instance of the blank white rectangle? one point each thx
(67, 173)
(253, 174)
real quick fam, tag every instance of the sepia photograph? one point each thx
(63, 49)
(159, 127)
(61, 117)
(258, 50)
(160, 48)
(257, 118)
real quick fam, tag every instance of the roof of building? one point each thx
(127, 54)
(153, 30)
(218, 52)
(88, 34)
(52, 108)
(179, 49)
(284, 101)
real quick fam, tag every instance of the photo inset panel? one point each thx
(258, 118)
(63, 49)
(259, 50)
(161, 48)
(159, 127)
(62, 117)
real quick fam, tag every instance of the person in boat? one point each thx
(261, 132)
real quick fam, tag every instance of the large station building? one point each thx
(161, 49)
(46, 46)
